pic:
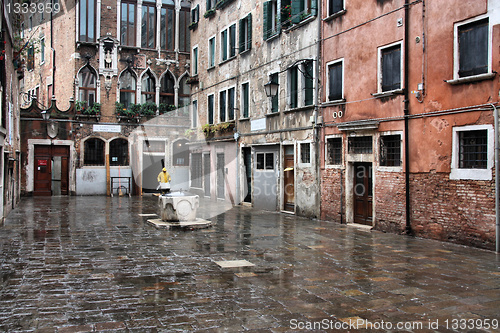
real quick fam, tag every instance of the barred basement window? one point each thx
(334, 151)
(390, 150)
(360, 145)
(118, 152)
(93, 152)
(265, 161)
(305, 152)
(473, 149)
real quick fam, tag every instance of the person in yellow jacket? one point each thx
(163, 177)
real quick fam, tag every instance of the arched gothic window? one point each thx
(148, 88)
(167, 93)
(184, 92)
(87, 86)
(127, 89)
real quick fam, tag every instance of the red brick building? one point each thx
(110, 75)
(408, 117)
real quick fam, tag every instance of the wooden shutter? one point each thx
(309, 82)
(249, 31)
(296, 11)
(314, 7)
(267, 19)
(391, 68)
(335, 86)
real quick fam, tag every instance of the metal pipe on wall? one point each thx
(497, 179)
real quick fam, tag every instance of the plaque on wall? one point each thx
(139, 61)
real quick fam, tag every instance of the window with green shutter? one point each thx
(245, 40)
(271, 19)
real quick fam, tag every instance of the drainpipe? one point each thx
(406, 115)
(497, 180)
(316, 109)
(53, 53)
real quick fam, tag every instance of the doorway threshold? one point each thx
(288, 212)
(362, 227)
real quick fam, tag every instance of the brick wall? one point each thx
(390, 201)
(459, 211)
(331, 194)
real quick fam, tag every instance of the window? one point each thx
(390, 150)
(245, 100)
(301, 85)
(302, 9)
(226, 105)
(335, 6)
(87, 86)
(305, 152)
(211, 4)
(334, 151)
(265, 161)
(195, 61)
(473, 40)
(127, 89)
(194, 115)
(211, 52)
(228, 43)
(210, 109)
(42, 50)
(87, 20)
(184, 33)
(245, 33)
(271, 21)
(472, 154)
(118, 152)
(167, 25)
(335, 81)
(148, 27)
(31, 58)
(180, 151)
(196, 170)
(94, 152)
(275, 99)
(360, 145)
(167, 94)
(30, 23)
(127, 27)
(148, 88)
(390, 70)
(473, 149)
(195, 14)
(184, 92)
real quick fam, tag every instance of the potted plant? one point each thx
(148, 109)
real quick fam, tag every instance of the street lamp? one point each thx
(45, 115)
(271, 88)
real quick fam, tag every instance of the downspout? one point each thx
(406, 115)
(316, 108)
(497, 180)
(53, 53)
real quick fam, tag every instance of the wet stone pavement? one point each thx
(94, 264)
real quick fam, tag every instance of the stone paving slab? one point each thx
(67, 268)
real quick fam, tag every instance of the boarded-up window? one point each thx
(473, 48)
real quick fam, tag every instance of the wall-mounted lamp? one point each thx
(45, 115)
(271, 88)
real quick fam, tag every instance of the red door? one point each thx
(43, 174)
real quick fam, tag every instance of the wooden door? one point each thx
(247, 159)
(363, 195)
(289, 180)
(43, 172)
(220, 176)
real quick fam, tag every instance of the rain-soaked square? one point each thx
(86, 264)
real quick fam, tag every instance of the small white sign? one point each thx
(258, 124)
(107, 128)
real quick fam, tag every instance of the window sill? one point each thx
(305, 21)
(388, 93)
(209, 69)
(334, 166)
(273, 36)
(128, 47)
(244, 119)
(244, 52)
(272, 114)
(474, 78)
(383, 168)
(471, 174)
(78, 44)
(227, 60)
(302, 108)
(334, 103)
(335, 15)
